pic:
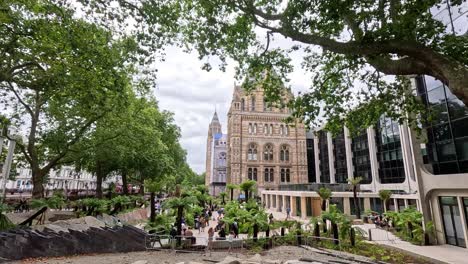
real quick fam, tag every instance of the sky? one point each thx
(193, 94)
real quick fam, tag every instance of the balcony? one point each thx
(313, 187)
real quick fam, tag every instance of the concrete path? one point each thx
(439, 253)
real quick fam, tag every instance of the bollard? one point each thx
(370, 235)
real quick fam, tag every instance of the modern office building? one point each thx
(382, 156)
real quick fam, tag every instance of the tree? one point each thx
(355, 183)
(223, 197)
(324, 194)
(385, 196)
(59, 75)
(341, 43)
(182, 201)
(247, 187)
(231, 187)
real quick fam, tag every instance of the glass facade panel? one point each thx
(339, 152)
(361, 159)
(447, 131)
(323, 157)
(376, 205)
(338, 201)
(310, 160)
(391, 169)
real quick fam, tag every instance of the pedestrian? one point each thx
(202, 224)
(210, 238)
(230, 239)
(271, 217)
(222, 234)
(235, 229)
(288, 211)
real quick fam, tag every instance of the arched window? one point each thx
(252, 174)
(222, 159)
(285, 175)
(242, 104)
(281, 131)
(252, 152)
(252, 104)
(250, 128)
(255, 128)
(284, 153)
(271, 129)
(269, 174)
(268, 152)
(265, 129)
(286, 130)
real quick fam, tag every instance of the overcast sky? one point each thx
(192, 94)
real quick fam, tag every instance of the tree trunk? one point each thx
(356, 203)
(180, 212)
(124, 182)
(255, 232)
(99, 178)
(152, 209)
(352, 237)
(334, 227)
(317, 230)
(385, 206)
(324, 205)
(38, 187)
(232, 194)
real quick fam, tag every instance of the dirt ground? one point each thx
(279, 254)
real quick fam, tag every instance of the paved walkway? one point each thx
(441, 253)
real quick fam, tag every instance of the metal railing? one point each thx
(335, 187)
(203, 245)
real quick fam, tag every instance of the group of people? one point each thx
(379, 220)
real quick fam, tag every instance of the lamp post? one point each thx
(7, 167)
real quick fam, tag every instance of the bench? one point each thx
(226, 244)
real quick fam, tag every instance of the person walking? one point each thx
(288, 212)
(210, 238)
(202, 224)
(270, 217)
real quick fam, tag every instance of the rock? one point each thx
(140, 262)
(230, 260)
(93, 222)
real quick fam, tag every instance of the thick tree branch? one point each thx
(12, 89)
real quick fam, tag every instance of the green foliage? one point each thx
(62, 83)
(409, 225)
(56, 201)
(384, 196)
(5, 223)
(161, 225)
(340, 43)
(247, 187)
(324, 193)
(246, 216)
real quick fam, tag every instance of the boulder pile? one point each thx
(70, 237)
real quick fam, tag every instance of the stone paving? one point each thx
(439, 253)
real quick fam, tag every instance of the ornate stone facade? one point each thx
(261, 146)
(216, 157)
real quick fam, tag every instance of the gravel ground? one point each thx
(279, 254)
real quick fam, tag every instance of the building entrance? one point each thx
(452, 221)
